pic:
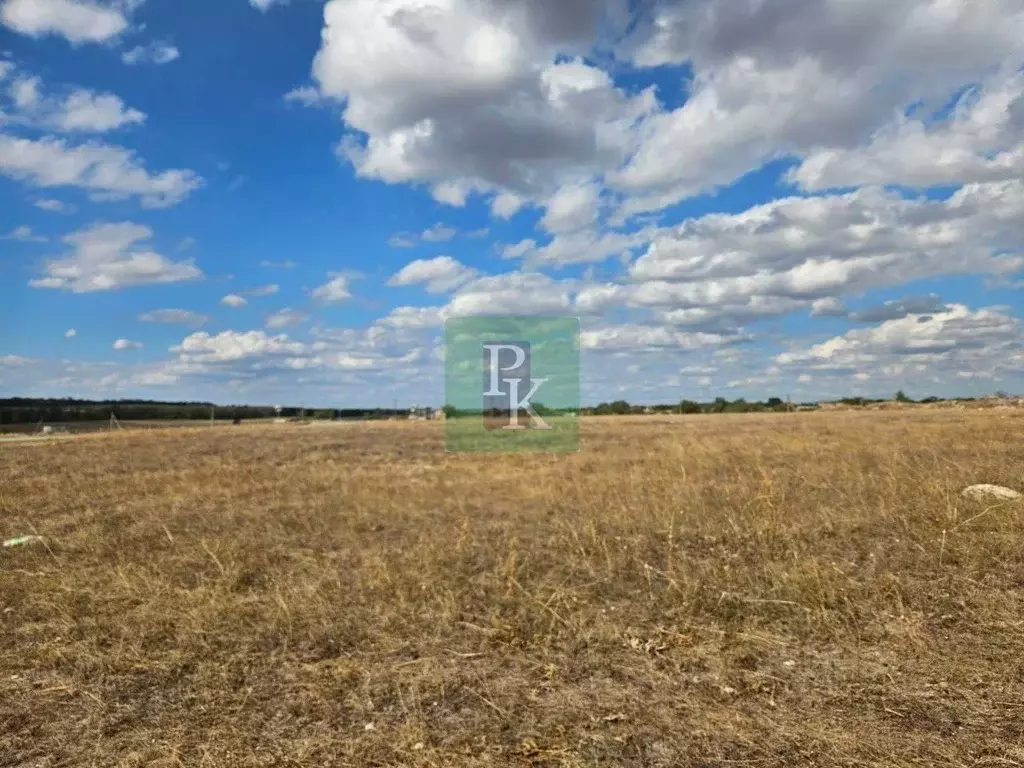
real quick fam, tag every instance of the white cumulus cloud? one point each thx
(441, 274)
(108, 171)
(234, 301)
(174, 317)
(78, 21)
(285, 318)
(334, 290)
(155, 53)
(106, 257)
(73, 110)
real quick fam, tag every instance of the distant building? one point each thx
(421, 414)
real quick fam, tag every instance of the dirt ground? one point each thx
(763, 590)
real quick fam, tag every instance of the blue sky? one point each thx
(283, 201)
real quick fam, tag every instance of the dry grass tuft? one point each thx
(771, 590)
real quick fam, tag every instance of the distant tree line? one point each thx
(718, 405)
(30, 410)
(22, 410)
(723, 405)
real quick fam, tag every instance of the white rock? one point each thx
(991, 492)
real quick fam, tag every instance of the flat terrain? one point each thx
(88, 427)
(772, 590)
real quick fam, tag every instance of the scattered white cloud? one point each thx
(979, 141)
(77, 110)
(586, 245)
(265, 5)
(334, 290)
(513, 293)
(286, 318)
(441, 274)
(469, 97)
(155, 379)
(774, 80)
(439, 233)
(174, 317)
(278, 264)
(821, 247)
(647, 337)
(520, 249)
(830, 306)
(25, 235)
(306, 95)
(403, 240)
(955, 339)
(125, 344)
(894, 310)
(78, 21)
(478, 97)
(571, 208)
(263, 290)
(87, 111)
(413, 317)
(718, 318)
(506, 205)
(25, 93)
(229, 346)
(155, 53)
(513, 103)
(53, 206)
(70, 333)
(234, 301)
(108, 171)
(107, 257)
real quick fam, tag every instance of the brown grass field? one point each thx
(773, 590)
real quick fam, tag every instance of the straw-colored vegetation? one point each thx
(772, 590)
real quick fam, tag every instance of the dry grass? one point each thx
(771, 590)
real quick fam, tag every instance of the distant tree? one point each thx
(901, 397)
(742, 406)
(720, 405)
(450, 411)
(688, 406)
(775, 403)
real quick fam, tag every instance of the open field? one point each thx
(90, 427)
(773, 590)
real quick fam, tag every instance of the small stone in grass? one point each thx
(985, 490)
